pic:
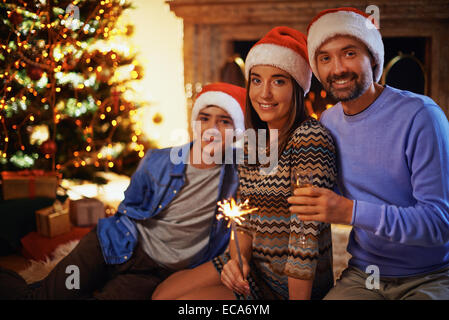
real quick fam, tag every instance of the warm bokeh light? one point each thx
(158, 38)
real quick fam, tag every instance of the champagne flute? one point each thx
(301, 179)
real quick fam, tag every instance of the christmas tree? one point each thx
(64, 75)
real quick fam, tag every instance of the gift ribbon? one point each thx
(31, 175)
(32, 187)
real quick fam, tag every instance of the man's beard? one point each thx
(357, 88)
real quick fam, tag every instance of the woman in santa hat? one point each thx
(275, 264)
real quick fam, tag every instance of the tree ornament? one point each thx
(115, 100)
(157, 118)
(129, 30)
(35, 73)
(48, 147)
(103, 74)
(15, 17)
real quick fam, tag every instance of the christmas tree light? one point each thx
(65, 70)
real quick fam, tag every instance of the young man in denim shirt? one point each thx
(166, 222)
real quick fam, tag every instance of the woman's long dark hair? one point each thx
(297, 111)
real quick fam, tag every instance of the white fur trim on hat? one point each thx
(346, 23)
(283, 58)
(224, 101)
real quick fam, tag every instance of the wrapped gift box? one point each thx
(86, 212)
(53, 221)
(29, 184)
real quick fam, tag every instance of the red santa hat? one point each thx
(286, 49)
(229, 97)
(345, 21)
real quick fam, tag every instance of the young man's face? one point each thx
(344, 67)
(214, 122)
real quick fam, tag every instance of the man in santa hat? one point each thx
(393, 163)
(167, 221)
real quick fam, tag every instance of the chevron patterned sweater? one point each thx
(274, 230)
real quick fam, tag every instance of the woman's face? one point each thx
(270, 92)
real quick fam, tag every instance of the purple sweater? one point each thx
(393, 160)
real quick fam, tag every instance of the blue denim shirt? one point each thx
(153, 186)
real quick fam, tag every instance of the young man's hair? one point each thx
(297, 111)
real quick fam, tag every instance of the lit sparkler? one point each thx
(233, 212)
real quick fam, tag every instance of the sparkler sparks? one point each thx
(233, 212)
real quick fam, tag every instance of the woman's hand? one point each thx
(232, 277)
